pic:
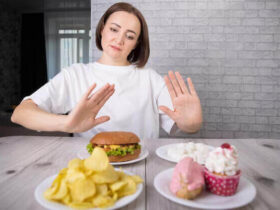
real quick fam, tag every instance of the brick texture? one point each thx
(230, 49)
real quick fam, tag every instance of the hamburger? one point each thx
(119, 146)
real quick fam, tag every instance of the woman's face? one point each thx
(120, 35)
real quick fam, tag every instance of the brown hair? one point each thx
(140, 54)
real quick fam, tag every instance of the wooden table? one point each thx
(25, 161)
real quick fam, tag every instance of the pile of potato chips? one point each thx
(91, 183)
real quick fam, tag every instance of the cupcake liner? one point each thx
(221, 185)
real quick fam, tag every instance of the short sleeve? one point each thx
(53, 96)
(163, 99)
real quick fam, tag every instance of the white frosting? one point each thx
(223, 160)
(197, 151)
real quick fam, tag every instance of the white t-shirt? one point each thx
(133, 106)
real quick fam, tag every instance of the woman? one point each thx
(131, 98)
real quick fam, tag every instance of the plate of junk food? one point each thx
(245, 193)
(121, 147)
(216, 184)
(91, 183)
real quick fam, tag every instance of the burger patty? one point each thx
(112, 147)
(116, 150)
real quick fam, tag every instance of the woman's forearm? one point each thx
(82, 118)
(29, 115)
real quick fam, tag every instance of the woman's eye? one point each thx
(130, 37)
(113, 29)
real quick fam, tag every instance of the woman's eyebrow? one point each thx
(116, 25)
(131, 31)
(120, 27)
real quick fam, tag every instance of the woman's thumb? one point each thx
(101, 119)
(167, 111)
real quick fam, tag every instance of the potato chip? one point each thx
(136, 179)
(50, 192)
(101, 189)
(75, 163)
(63, 171)
(82, 189)
(103, 201)
(88, 172)
(91, 183)
(107, 176)
(121, 174)
(67, 199)
(129, 188)
(83, 205)
(117, 185)
(98, 161)
(54, 187)
(115, 196)
(74, 174)
(61, 192)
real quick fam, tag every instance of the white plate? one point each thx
(83, 154)
(44, 185)
(162, 152)
(246, 192)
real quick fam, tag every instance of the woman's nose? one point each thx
(120, 39)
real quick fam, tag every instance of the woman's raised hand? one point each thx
(83, 116)
(187, 109)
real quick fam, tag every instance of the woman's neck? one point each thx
(112, 62)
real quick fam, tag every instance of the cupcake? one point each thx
(221, 171)
(187, 180)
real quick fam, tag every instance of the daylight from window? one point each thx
(74, 47)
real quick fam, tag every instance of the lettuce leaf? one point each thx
(89, 148)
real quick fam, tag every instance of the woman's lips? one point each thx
(116, 48)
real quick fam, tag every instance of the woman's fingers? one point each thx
(175, 83)
(170, 87)
(100, 94)
(103, 101)
(100, 120)
(191, 86)
(167, 111)
(90, 89)
(181, 83)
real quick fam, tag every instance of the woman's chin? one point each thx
(113, 53)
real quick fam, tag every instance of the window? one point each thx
(73, 46)
(67, 39)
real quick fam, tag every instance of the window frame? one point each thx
(79, 36)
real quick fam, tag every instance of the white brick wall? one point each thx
(231, 50)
